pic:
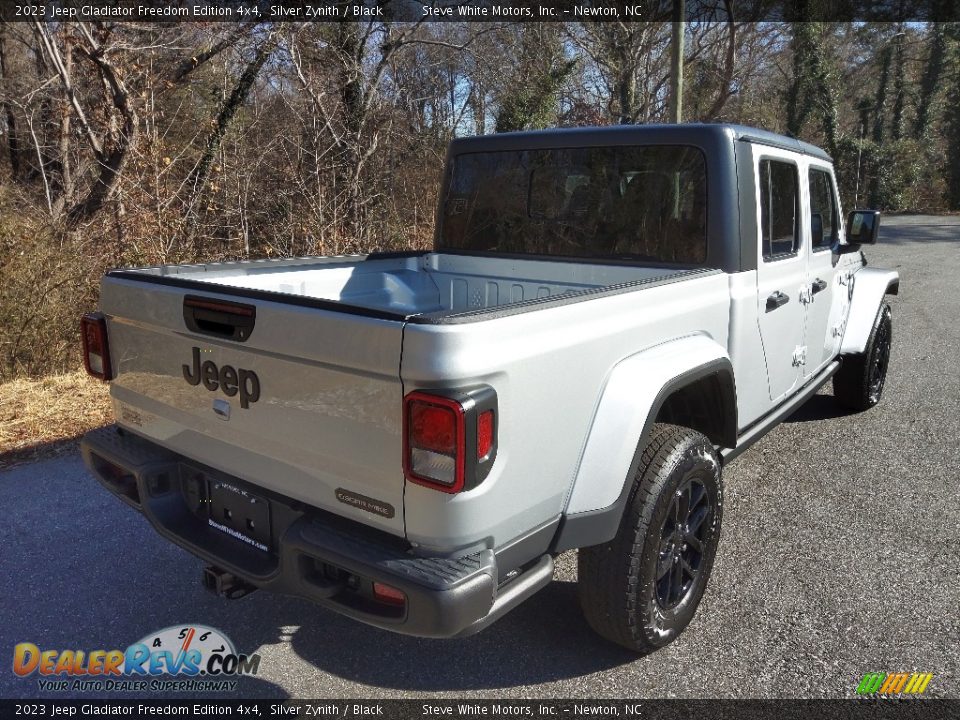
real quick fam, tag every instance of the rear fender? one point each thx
(635, 390)
(869, 287)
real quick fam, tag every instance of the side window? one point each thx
(779, 203)
(823, 210)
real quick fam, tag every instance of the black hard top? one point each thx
(696, 134)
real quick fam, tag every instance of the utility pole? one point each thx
(676, 62)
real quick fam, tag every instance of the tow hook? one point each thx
(220, 582)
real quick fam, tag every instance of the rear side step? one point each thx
(515, 592)
(220, 582)
(120, 460)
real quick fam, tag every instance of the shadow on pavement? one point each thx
(105, 579)
(39, 451)
(545, 639)
(819, 407)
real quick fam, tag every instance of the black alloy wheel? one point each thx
(682, 540)
(859, 383)
(879, 360)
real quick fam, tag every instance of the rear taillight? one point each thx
(435, 441)
(449, 437)
(484, 434)
(96, 348)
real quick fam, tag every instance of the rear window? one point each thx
(644, 203)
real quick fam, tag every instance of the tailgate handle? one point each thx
(233, 321)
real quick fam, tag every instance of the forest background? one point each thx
(143, 143)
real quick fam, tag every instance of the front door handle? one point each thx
(818, 285)
(776, 300)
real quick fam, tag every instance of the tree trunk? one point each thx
(198, 178)
(64, 196)
(930, 82)
(478, 103)
(728, 68)
(797, 96)
(627, 94)
(899, 91)
(811, 85)
(879, 116)
(880, 101)
(13, 141)
(953, 153)
(678, 27)
(110, 150)
(111, 162)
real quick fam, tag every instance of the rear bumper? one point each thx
(311, 553)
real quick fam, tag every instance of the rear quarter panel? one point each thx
(549, 368)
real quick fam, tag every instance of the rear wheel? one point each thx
(858, 385)
(642, 588)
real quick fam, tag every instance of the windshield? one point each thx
(644, 202)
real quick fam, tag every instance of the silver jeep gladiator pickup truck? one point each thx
(608, 317)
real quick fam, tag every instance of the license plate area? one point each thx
(240, 514)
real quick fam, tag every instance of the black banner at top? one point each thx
(477, 10)
(505, 709)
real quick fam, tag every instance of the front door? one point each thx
(781, 269)
(827, 299)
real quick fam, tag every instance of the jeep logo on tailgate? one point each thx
(227, 378)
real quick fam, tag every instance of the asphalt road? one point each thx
(840, 555)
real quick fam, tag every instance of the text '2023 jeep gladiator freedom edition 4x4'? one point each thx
(609, 316)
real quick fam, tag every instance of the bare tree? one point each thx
(6, 110)
(109, 144)
(630, 60)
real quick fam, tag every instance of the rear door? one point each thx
(781, 268)
(320, 424)
(827, 300)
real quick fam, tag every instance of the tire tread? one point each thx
(609, 574)
(851, 383)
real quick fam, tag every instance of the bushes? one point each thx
(46, 282)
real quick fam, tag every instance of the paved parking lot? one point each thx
(840, 555)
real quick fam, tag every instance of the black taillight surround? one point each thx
(474, 401)
(96, 322)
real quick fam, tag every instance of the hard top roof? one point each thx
(681, 134)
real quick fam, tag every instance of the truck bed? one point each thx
(433, 286)
(336, 342)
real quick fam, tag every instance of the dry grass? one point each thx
(45, 416)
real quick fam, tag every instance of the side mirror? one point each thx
(863, 227)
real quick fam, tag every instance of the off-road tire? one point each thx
(618, 584)
(858, 384)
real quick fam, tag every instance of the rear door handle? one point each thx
(776, 300)
(818, 285)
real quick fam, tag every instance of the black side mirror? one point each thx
(863, 227)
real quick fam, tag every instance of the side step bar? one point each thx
(765, 424)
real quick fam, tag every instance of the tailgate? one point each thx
(321, 388)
